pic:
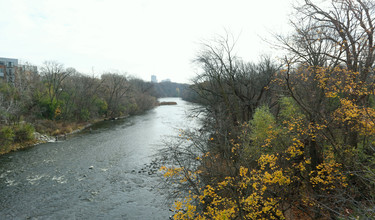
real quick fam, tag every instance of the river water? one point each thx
(99, 174)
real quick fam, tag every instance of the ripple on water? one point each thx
(35, 179)
(10, 182)
(60, 179)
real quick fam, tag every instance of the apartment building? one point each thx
(14, 73)
(8, 69)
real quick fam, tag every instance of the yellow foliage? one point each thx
(251, 192)
(328, 176)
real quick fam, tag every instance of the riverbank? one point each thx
(45, 131)
(51, 131)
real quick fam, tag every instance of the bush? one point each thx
(24, 132)
(102, 106)
(85, 114)
(6, 136)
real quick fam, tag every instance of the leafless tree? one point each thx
(232, 88)
(115, 88)
(9, 107)
(79, 93)
(341, 32)
(54, 74)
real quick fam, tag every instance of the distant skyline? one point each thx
(140, 38)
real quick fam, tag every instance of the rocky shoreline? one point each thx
(43, 138)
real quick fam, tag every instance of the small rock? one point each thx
(91, 167)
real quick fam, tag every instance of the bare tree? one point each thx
(349, 27)
(305, 46)
(79, 92)
(115, 88)
(338, 33)
(10, 105)
(232, 88)
(54, 74)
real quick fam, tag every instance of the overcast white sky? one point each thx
(139, 37)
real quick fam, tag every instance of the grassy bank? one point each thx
(24, 135)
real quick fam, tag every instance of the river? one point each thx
(99, 174)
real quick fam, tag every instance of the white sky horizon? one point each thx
(140, 38)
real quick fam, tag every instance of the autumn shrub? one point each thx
(288, 162)
(45, 126)
(278, 178)
(69, 129)
(297, 143)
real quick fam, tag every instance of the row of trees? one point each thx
(291, 140)
(63, 94)
(169, 89)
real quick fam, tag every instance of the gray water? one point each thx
(102, 174)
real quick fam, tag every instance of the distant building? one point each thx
(27, 69)
(14, 73)
(153, 79)
(8, 69)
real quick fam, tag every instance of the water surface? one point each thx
(102, 174)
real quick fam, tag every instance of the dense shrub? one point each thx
(6, 137)
(24, 132)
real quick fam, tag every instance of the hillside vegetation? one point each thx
(284, 140)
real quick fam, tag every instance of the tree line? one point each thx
(289, 139)
(169, 89)
(55, 97)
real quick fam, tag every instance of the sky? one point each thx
(136, 37)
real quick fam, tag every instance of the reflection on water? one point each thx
(105, 173)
